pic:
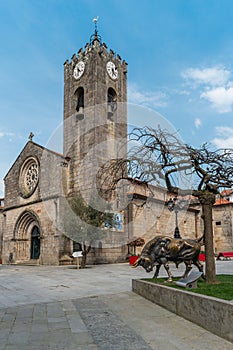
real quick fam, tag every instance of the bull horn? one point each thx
(136, 262)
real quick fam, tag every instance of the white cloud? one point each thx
(220, 98)
(214, 76)
(148, 98)
(216, 86)
(224, 137)
(197, 123)
(3, 134)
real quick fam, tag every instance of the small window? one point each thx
(218, 223)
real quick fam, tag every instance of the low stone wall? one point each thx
(213, 314)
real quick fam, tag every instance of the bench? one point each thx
(225, 256)
(190, 281)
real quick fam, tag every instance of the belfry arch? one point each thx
(112, 102)
(27, 237)
(79, 93)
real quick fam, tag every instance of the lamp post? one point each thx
(173, 205)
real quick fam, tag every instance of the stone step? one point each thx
(30, 262)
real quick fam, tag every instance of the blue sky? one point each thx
(179, 54)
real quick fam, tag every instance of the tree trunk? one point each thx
(83, 260)
(207, 201)
(85, 251)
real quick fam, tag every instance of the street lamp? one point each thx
(173, 205)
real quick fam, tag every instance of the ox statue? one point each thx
(162, 249)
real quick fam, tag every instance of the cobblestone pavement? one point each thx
(64, 308)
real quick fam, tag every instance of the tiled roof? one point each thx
(221, 201)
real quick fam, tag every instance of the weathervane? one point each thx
(95, 36)
(95, 20)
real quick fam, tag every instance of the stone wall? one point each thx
(107, 255)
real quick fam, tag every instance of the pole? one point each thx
(177, 231)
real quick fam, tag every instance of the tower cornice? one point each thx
(96, 49)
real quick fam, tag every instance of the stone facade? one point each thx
(31, 204)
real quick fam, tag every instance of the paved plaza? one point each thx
(62, 308)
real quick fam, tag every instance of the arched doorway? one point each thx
(26, 237)
(35, 243)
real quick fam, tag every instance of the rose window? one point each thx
(29, 177)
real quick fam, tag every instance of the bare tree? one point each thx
(158, 156)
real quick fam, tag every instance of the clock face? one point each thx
(79, 69)
(112, 70)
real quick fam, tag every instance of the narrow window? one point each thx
(80, 103)
(112, 103)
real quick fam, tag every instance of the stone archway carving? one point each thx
(23, 235)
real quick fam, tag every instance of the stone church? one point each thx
(95, 127)
(40, 180)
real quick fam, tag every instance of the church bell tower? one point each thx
(95, 111)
